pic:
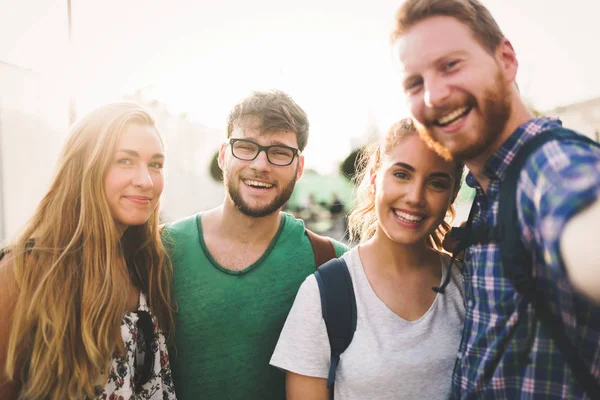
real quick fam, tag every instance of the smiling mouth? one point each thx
(454, 116)
(139, 199)
(411, 218)
(257, 184)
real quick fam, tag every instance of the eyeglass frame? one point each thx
(266, 149)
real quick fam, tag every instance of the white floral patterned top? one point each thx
(126, 371)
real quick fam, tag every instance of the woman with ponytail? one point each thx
(407, 335)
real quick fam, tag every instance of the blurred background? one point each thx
(190, 61)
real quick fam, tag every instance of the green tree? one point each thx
(215, 170)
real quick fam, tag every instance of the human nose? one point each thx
(416, 194)
(436, 92)
(261, 161)
(142, 178)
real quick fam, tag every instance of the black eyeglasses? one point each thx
(247, 150)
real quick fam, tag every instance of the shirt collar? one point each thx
(495, 167)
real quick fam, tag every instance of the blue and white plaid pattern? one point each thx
(505, 353)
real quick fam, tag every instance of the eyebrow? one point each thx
(432, 175)
(272, 143)
(436, 62)
(134, 153)
(454, 53)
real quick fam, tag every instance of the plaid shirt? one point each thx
(505, 353)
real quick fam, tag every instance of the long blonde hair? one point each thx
(74, 270)
(362, 222)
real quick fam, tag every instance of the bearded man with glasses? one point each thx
(237, 268)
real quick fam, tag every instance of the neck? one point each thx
(238, 227)
(121, 229)
(399, 257)
(519, 115)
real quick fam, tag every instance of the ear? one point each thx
(221, 158)
(300, 169)
(372, 179)
(507, 60)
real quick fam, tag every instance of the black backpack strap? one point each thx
(338, 306)
(323, 248)
(517, 262)
(464, 237)
(515, 256)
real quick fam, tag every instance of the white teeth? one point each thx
(408, 217)
(259, 184)
(452, 116)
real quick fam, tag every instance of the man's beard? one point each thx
(496, 111)
(258, 212)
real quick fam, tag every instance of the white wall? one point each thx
(33, 125)
(582, 117)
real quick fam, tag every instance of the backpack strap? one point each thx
(464, 237)
(338, 306)
(515, 257)
(517, 262)
(322, 247)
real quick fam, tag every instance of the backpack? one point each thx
(338, 304)
(516, 260)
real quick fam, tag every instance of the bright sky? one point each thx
(332, 56)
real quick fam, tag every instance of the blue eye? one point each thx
(125, 161)
(451, 64)
(412, 86)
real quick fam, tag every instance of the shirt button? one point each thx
(459, 355)
(470, 303)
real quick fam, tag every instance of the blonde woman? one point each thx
(407, 336)
(85, 291)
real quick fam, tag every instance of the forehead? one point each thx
(251, 128)
(140, 137)
(434, 38)
(413, 151)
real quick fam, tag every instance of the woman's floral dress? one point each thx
(123, 369)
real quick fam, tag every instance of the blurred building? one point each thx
(583, 117)
(33, 126)
(190, 147)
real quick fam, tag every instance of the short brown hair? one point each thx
(276, 110)
(470, 12)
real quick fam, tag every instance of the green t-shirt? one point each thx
(228, 322)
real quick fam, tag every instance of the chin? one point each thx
(133, 221)
(402, 238)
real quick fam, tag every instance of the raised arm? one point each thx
(579, 247)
